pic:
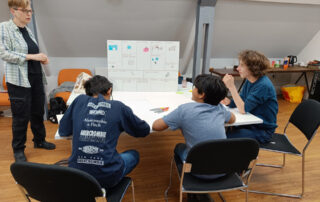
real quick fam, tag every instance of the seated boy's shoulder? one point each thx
(190, 105)
(118, 104)
(82, 97)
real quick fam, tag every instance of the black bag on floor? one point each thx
(57, 106)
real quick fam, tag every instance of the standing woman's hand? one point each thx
(45, 62)
(41, 57)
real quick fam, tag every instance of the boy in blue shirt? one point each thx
(257, 97)
(96, 123)
(201, 120)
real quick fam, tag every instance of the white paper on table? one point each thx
(244, 119)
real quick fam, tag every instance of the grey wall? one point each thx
(4, 15)
(74, 32)
(4, 11)
(275, 29)
(79, 28)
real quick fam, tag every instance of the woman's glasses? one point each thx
(25, 11)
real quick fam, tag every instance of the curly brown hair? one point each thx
(256, 62)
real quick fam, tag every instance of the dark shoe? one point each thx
(45, 145)
(204, 198)
(19, 156)
(191, 197)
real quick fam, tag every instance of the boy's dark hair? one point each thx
(213, 88)
(97, 85)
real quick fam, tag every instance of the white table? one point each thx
(142, 102)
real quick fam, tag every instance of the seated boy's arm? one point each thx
(159, 125)
(66, 123)
(132, 124)
(232, 118)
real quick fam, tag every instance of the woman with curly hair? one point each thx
(257, 97)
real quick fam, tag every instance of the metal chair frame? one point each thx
(300, 195)
(186, 168)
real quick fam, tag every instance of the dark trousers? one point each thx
(250, 131)
(27, 104)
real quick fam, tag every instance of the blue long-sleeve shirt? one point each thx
(260, 99)
(96, 124)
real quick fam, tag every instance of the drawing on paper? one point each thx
(143, 65)
(113, 47)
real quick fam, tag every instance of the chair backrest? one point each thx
(70, 75)
(51, 183)
(222, 156)
(306, 117)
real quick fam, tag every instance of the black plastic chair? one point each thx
(306, 117)
(52, 183)
(228, 156)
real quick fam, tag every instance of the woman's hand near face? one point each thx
(228, 81)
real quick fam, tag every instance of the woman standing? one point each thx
(257, 96)
(25, 78)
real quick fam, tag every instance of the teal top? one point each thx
(260, 99)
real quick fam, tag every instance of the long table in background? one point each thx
(302, 70)
(142, 102)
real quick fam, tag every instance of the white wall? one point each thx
(77, 39)
(275, 29)
(311, 51)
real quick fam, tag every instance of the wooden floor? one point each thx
(151, 176)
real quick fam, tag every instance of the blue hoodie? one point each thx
(96, 124)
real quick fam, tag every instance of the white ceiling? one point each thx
(80, 28)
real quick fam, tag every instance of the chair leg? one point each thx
(247, 194)
(286, 195)
(302, 186)
(274, 166)
(24, 192)
(221, 196)
(167, 190)
(132, 188)
(275, 194)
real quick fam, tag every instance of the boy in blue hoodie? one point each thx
(96, 122)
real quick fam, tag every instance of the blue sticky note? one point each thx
(113, 47)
